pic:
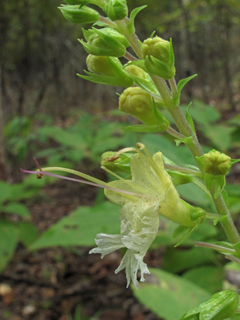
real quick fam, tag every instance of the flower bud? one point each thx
(221, 306)
(103, 65)
(138, 103)
(159, 57)
(136, 71)
(110, 69)
(77, 14)
(99, 3)
(104, 42)
(215, 163)
(116, 9)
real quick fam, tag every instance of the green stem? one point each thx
(132, 38)
(196, 150)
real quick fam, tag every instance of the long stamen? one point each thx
(85, 182)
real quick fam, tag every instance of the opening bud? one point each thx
(77, 14)
(215, 163)
(116, 9)
(159, 57)
(138, 103)
(104, 42)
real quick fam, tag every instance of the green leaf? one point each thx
(168, 295)
(5, 191)
(216, 182)
(206, 277)
(28, 233)
(177, 260)
(8, 240)
(133, 15)
(16, 208)
(188, 141)
(81, 227)
(181, 84)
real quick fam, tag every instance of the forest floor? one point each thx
(49, 284)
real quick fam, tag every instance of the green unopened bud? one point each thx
(108, 66)
(215, 163)
(116, 162)
(99, 3)
(116, 9)
(110, 69)
(77, 14)
(104, 42)
(138, 103)
(136, 71)
(221, 306)
(159, 57)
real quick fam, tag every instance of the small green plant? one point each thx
(150, 175)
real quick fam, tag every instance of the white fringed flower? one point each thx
(149, 193)
(154, 193)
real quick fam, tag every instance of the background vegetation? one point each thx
(48, 112)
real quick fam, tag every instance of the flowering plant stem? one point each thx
(184, 129)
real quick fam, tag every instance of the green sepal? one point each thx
(217, 183)
(77, 14)
(179, 178)
(148, 85)
(159, 68)
(197, 215)
(130, 25)
(109, 47)
(184, 233)
(140, 64)
(181, 84)
(108, 32)
(189, 119)
(120, 164)
(124, 82)
(188, 141)
(220, 306)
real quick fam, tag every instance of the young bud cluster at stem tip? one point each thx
(215, 163)
(159, 57)
(77, 14)
(138, 103)
(221, 306)
(116, 9)
(104, 42)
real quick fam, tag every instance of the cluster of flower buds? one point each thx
(106, 44)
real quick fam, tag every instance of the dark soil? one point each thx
(49, 284)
